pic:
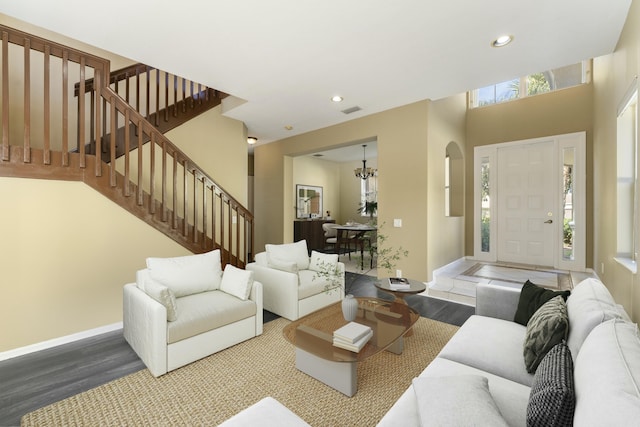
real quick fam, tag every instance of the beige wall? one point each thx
(612, 76)
(403, 150)
(66, 253)
(445, 235)
(564, 111)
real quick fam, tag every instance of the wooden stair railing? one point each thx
(164, 99)
(158, 183)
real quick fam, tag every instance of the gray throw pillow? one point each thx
(547, 327)
(552, 400)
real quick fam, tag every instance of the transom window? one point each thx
(533, 84)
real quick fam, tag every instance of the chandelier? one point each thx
(364, 172)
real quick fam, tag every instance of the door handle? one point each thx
(549, 221)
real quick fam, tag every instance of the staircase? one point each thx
(123, 117)
(164, 99)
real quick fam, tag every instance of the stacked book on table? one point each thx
(399, 283)
(352, 336)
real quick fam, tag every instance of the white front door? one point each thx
(526, 183)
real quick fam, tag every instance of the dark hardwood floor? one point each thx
(35, 380)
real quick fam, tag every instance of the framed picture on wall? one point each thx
(308, 201)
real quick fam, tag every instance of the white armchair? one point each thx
(293, 284)
(183, 309)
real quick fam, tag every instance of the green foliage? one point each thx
(567, 232)
(369, 208)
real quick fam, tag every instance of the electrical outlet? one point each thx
(397, 223)
(398, 273)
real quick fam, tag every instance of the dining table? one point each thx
(353, 233)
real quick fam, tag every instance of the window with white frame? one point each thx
(626, 168)
(533, 84)
(369, 193)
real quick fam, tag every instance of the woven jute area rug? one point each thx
(213, 389)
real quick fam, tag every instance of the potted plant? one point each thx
(369, 208)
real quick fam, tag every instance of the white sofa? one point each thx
(292, 284)
(186, 308)
(604, 351)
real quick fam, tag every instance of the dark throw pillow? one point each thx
(547, 327)
(532, 298)
(552, 399)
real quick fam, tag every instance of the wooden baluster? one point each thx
(185, 213)
(47, 107)
(65, 109)
(112, 145)
(140, 165)
(195, 206)
(127, 149)
(126, 87)
(148, 83)
(184, 97)
(98, 137)
(191, 90)
(157, 112)
(164, 181)
(5, 96)
(175, 96)
(166, 96)
(213, 215)
(175, 191)
(237, 234)
(26, 155)
(205, 189)
(81, 116)
(152, 173)
(222, 234)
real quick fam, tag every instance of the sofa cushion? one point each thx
(456, 400)
(553, 399)
(492, 345)
(323, 263)
(206, 311)
(546, 328)
(237, 282)
(607, 376)
(188, 274)
(532, 297)
(277, 254)
(589, 305)
(164, 296)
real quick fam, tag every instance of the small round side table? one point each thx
(415, 287)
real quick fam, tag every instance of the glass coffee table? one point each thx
(312, 335)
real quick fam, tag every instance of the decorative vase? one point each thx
(349, 308)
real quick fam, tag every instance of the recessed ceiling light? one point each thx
(336, 98)
(252, 140)
(502, 41)
(288, 127)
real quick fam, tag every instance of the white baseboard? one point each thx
(21, 351)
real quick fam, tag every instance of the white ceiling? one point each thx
(287, 58)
